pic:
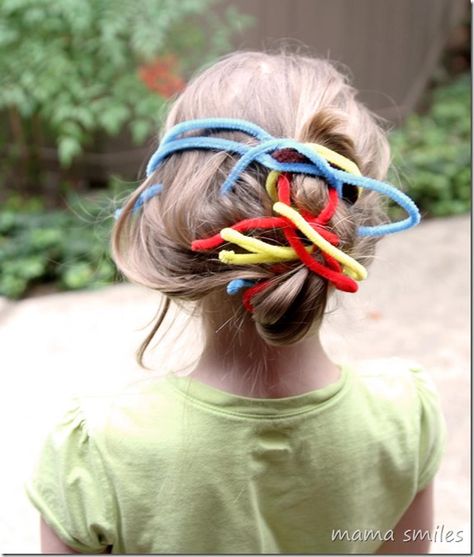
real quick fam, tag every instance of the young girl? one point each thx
(261, 201)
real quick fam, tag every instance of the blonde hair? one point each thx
(289, 96)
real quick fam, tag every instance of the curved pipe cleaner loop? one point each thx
(394, 194)
(212, 124)
(317, 222)
(229, 257)
(242, 226)
(358, 271)
(145, 196)
(251, 292)
(327, 213)
(249, 154)
(335, 158)
(333, 273)
(221, 124)
(331, 156)
(236, 285)
(262, 252)
(320, 166)
(261, 223)
(266, 252)
(338, 160)
(261, 153)
(171, 143)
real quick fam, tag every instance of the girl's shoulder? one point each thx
(126, 408)
(394, 379)
(395, 385)
(92, 434)
(399, 396)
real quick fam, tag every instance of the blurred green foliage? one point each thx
(66, 249)
(70, 249)
(71, 69)
(432, 152)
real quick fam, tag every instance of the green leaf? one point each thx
(68, 149)
(12, 286)
(141, 130)
(78, 275)
(113, 118)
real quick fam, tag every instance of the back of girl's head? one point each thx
(290, 96)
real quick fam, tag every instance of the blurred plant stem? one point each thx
(19, 157)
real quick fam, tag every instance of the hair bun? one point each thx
(313, 103)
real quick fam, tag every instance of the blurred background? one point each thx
(84, 85)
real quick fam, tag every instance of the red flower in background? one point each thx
(162, 75)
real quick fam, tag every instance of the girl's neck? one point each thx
(240, 362)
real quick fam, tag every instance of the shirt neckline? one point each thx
(226, 402)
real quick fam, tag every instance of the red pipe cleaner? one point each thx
(333, 274)
(250, 293)
(332, 270)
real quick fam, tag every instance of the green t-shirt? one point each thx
(171, 465)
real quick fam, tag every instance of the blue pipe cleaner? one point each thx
(236, 285)
(146, 195)
(249, 154)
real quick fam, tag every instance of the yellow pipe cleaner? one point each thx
(331, 156)
(263, 252)
(352, 267)
(260, 251)
(336, 158)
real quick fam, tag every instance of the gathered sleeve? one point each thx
(70, 486)
(432, 428)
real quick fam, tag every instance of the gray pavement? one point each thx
(415, 304)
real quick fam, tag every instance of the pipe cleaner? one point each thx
(332, 272)
(263, 252)
(237, 285)
(331, 156)
(317, 164)
(314, 160)
(145, 195)
(354, 269)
